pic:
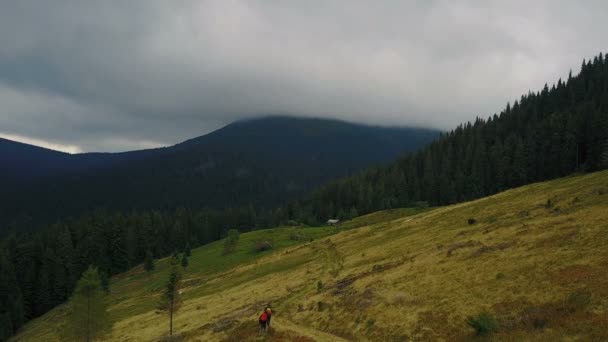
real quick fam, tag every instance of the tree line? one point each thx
(560, 130)
(40, 270)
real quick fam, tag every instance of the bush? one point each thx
(421, 205)
(400, 298)
(320, 286)
(321, 306)
(471, 221)
(263, 245)
(292, 223)
(483, 323)
(231, 241)
(578, 300)
(297, 235)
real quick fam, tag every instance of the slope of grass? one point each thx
(535, 260)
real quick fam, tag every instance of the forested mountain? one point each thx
(551, 133)
(261, 162)
(23, 163)
(113, 209)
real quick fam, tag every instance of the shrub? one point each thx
(578, 300)
(320, 286)
(421, 205)
(484, 324)
(549, 204)
(321, 306)
(297, 235)
(292, 223)
(263, 245)
(539, 323)
(231, 241)
(400, 298)
(471, 221)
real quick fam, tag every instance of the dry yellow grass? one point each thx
(410, 278)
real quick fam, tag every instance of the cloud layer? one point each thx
(116, 75)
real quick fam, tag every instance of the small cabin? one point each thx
(332, 222)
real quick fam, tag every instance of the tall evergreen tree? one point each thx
(6, 326)
(11, 303)
(604, 158)
(149, 262)
(88, 319)
(187, 250)
(184, 261)
(43, 289)
(170, 300)
(104, 281)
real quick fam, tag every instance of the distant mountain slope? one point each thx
(258, 162)
(20, 161)
(537, 270)
(552, 133)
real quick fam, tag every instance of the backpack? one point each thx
(264, 317)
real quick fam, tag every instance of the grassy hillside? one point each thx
(535, 259)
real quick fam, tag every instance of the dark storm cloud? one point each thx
(116, 75)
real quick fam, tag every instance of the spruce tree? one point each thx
(604, 157)
(184, 261)
(11, 302)
(174, 259)
(6, 326)
(170, 300)
(43, 288)
(149, 262)
(187, 250)
(104, 281)
(88, 319)
(67, 257)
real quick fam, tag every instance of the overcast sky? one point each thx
(120, 75)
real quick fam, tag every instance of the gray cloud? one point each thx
(116, 75)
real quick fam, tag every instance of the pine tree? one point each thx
(174, 260)
(184, 261)
(67, 257)
(104, 281)
(604, 158)
(43, 288)
(149, 262)
(88, 319)
(6, 326)
(60, 281)
(11, 303)
(352, 213)
(170, 300)
(187, 250)
(231, 241)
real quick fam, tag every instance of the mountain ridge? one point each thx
(264, 162)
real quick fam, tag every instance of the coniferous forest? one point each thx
(559, 130)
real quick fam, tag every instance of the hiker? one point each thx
(263, 321)
(269, 314)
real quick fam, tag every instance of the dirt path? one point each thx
(319, 336)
